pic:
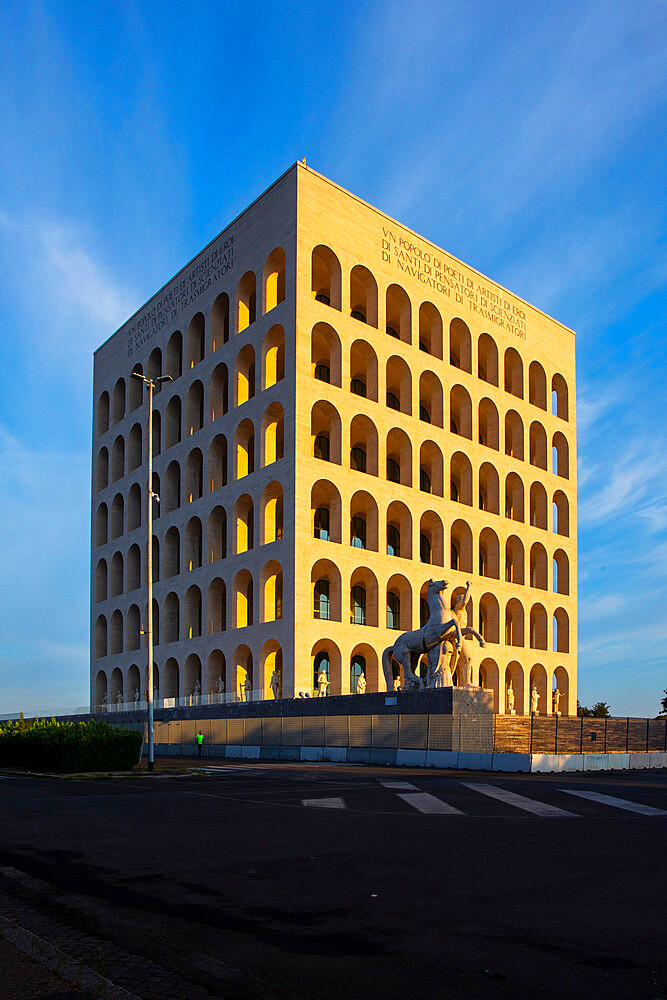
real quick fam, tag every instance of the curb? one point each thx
(57, 961)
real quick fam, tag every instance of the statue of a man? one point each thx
(119, 698)
(510, 699)
(136, 697)
(220, 687)
(461, 660)
(247, 684)
(361, 684)
(197, 689)
(534, 701)
(275, 684)
(322, 683)
(556, 702)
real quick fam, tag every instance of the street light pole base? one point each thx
(150, 765)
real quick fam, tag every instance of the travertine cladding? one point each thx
(474, 416)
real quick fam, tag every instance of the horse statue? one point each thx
(410, 646)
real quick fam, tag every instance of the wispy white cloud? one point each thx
(67, 287)
(628, 484)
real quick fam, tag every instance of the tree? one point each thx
(600, 710)
(582, 710)
(663, 710)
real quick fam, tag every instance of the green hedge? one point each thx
(47, 745)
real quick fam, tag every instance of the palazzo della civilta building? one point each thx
(353, 411)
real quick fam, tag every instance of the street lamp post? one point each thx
(151, 383)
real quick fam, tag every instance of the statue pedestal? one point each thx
(557, 713)
(512, 711)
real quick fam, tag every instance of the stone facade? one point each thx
(352, 412)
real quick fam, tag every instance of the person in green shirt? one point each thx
(200, 741)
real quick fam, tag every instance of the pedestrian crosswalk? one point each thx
(515, 804)
(613, 800)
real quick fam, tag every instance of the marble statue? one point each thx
(247, 685)
(510, 699)
(556, 702)
(119, 698)
(410, 646)
(534, 701)
(461, 658)
(361, 684)
(136, 697)
(220, 688)
(197, 691)
(322, 683)
(275, 685)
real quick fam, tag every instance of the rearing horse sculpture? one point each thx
(410, 646)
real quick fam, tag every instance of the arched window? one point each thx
(321, 447)
(424, 548)
(175, 355)
(220, 321)
(195, 341)
(560, 456)
(538, 506)
(537, 385)
(218, 393)
(394, 471)
(559, 401)
(513, 372)
(487, 359)
(326, 277)
(358, 605)
(538, 445)
(272, 513)
(321, 524)
(172, 428)
(320, 664)
(119, 400)
(363, 295)
(460, 345)
(216, 535)
(246, 301)
(325, 430)
(363, 370)
(194, 410)
(393, 610)
(398, 314)
(430, 330)
(321, 600)
(357, 668)
(561, 514)
(103, 414)
(274, 279)
(358, 459)
(135, 389)
(358, 532)
(244, 375)
(393, 540)
(244, 449)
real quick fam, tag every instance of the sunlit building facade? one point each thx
(353, 411)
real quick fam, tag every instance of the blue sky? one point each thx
(527, 139)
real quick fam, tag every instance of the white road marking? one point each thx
(427, 803)
(403, 786)
(520, 801)
(611, 800)
(333, 803)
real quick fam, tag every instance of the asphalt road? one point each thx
(324, 881)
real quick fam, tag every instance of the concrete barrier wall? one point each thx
(456, 759)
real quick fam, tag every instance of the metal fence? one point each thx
(413, 732)
(577, 734)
